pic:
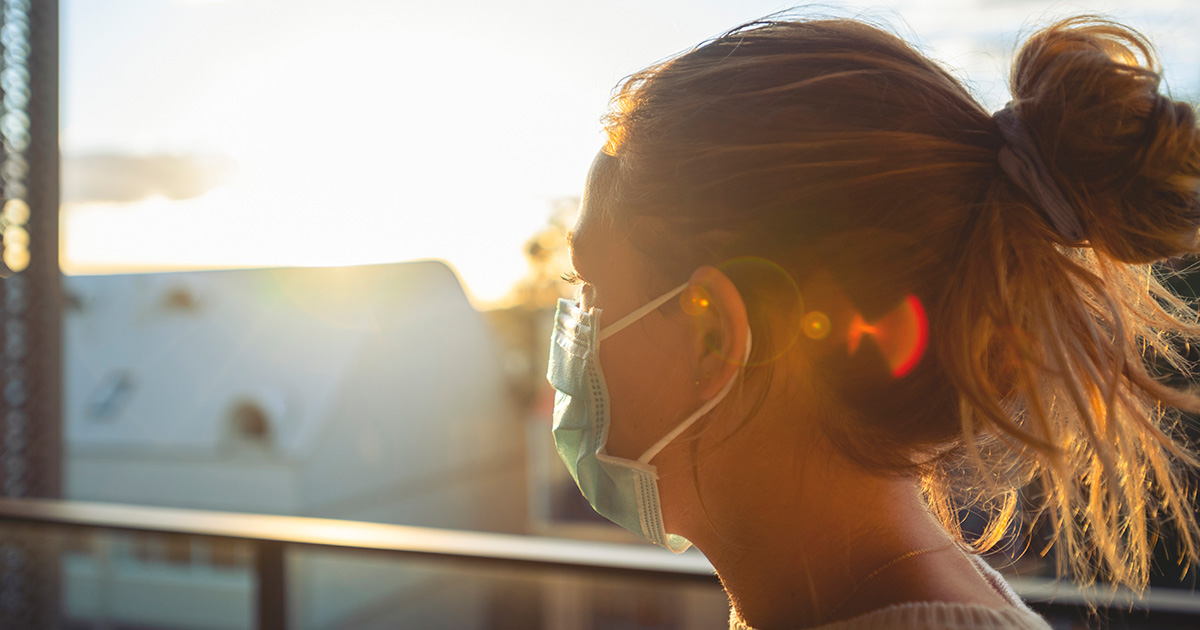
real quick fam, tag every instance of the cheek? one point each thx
(648, 389)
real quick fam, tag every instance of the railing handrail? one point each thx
(520, 550)
(343, 534)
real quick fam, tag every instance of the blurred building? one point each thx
(371, 393)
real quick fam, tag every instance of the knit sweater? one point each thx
(940, 615)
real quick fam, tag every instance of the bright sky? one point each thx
(386, 130)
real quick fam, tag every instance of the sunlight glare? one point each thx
(341, 165)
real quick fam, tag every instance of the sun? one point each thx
(348, 152)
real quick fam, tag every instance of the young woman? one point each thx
(838, 301)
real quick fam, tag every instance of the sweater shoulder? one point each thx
(933, 616)
(942, 615)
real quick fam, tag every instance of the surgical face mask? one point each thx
(622, 490)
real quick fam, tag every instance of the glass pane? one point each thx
(329, 589)
(157, 581)
(145, 580)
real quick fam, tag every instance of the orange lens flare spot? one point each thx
(815, 325)
(694, 300)
(912, 330)
(902, 335)
(858, 328)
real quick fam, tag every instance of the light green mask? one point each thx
(622, 490)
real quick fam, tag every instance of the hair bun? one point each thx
(1126, 156)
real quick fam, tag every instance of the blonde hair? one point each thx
(834, 149)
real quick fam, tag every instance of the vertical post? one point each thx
(30, 292)
(272, 585)
(30, 302)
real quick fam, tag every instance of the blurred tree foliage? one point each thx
(522, 329)
(547, 257)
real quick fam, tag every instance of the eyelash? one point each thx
(571, 277)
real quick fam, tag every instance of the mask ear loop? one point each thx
(637, 314)
(699, 413)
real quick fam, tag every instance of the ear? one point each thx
(720, 316)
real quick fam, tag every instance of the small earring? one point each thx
(697, 382)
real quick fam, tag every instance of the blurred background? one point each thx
(238, 133)
(309, 253)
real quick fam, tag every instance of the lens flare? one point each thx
(902, 334)
(694, 300)
(769, 288)
(815, 325)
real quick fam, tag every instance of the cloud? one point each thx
(123, 178)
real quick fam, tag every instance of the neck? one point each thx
(820, 526)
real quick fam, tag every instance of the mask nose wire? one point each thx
(699, 413)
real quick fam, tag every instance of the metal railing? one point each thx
(270, 536)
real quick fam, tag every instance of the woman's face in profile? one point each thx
(646, 365)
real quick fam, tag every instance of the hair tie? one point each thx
(1021, 160)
